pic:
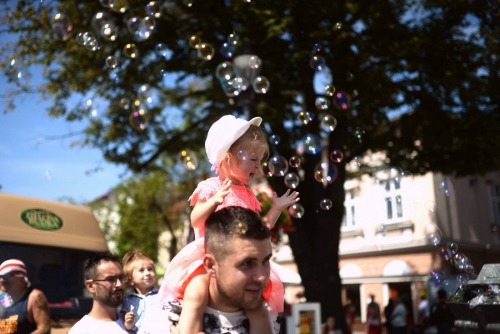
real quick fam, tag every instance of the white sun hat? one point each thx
(223, 134)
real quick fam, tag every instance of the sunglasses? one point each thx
(111, 279)
(6, 276)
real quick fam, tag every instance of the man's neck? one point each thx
(102, 312)
(216, 302)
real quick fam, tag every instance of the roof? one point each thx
(39, 222)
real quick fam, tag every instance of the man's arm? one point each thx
(38, 310)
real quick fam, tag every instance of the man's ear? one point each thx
(209, 263)
(90, 286)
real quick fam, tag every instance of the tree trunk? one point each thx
(315, 241)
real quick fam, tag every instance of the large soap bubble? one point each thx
(312, 144)
(292, 180)
(278, 165)
(296, 210)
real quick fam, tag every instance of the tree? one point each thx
(432, 63)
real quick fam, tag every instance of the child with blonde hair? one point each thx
(141, 274)
(236, 148)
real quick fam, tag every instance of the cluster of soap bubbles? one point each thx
(232, 82)
(188, 159)
(451, 254)
(205, 51)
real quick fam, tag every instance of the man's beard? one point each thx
(236, 300)
(111, 300)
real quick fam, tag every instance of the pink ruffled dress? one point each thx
(189, 261)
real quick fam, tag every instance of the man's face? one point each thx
(243, 274)
(105, 292)
(13, 283)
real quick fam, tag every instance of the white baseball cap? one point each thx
(223, 134)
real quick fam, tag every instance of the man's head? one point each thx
(104, 278)
(13, 275)
(442, 296)
(238, 251)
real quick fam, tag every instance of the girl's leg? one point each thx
(195, 303)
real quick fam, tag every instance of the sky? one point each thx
(50, 170)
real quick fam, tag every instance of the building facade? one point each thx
(395, 234)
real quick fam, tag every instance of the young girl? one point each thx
(235, 147)
(141, 274)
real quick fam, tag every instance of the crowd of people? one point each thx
(223, 281)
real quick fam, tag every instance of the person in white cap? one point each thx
(236, 148)
(29, 312)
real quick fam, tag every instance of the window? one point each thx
(349, 210)
(393, 200)
(495, 203)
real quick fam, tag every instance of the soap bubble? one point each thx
(317, 47)
(99, 20)
(138, 120)
(395, 172)
(82, 37)
(153, 8)
(452, 247)
(274, 139)
(460, 260)
(296, 210)
(266, 169)
(240, 83)
(383, 230)
(225, 71)
(109, 31)
(242, 155)
(233, 38)
(292, 180)
(325, 172)
(462, 279)
(436, 275)
(358, 133)
(445, 254)
(188, 3)
(432, 234)
(133, 24)
(430, 206)
(194, 42)
(254, 62)
(305, 117)
(342, 100)
(92, 44)
(162, 50)
(336, 156)
(328, 122)
(329, 90)
(278, 165)
(322, 103)
(358, 160)
(124, 103)
(312, 144)
(111, 62)
(326, 204)
(294, 161)
(337, 26)
(261, 85)
(131, 51)
(61, 26)
(107, 3)
(206, 51)
(120, 6)
(317, 63)
(444, 188)
(227, 50)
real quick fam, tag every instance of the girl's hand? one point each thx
(128, 320)
(286, 200)
(223, 191)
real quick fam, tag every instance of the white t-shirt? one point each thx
(158, 321)
(89, 325)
